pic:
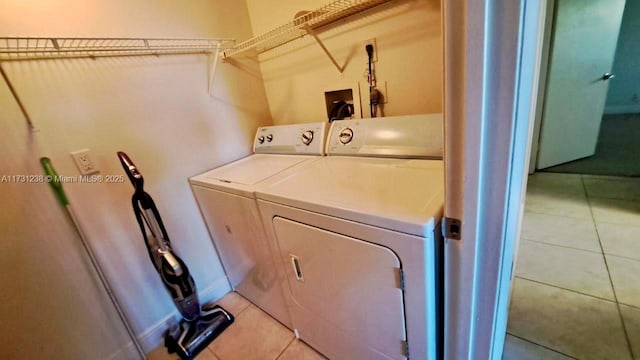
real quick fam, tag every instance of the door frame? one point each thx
(492, 55)
(547, 30)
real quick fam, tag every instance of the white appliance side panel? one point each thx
(347, 297)
(237, 232)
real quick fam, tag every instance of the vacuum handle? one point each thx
(132, 171)
(172, 262)
(54, 180)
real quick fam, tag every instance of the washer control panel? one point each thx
(411, 136)
(291, 139)
(345, 136)
(307, 137)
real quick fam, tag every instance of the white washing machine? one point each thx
(227, 202)
(359, 238)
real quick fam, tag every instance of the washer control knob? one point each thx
(269, 137)
(307, 137)
(261, 139)
(345, 136)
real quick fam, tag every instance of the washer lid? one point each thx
(404, 195)
(244, 174)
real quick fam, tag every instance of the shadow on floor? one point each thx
(617, 151)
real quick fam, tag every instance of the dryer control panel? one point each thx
(411, 136)
(291, 139)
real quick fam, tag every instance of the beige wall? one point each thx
(409, 52)
(623, 96)
(157, 110)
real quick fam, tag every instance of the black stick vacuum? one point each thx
(199, 326)
(374, 94)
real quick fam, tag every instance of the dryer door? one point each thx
(347, 300)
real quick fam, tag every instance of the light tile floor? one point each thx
(254, 335)
(577, 289)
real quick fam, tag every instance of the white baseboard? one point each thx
(215, 291)
(127, 352)
(152, 337)
(622, 109)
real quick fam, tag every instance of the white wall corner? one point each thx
(622, 109)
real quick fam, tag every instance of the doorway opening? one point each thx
(588, 119)
(576, 284)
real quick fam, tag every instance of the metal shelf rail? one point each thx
(306, 23)
(44, 48)
(36, 48)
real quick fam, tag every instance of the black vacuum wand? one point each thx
(374, 94)
(200, 326)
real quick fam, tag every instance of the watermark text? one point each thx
(37, 178)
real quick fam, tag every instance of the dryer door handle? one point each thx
(297, 270)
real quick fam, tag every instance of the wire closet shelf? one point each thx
(37, 48)
(303, 24)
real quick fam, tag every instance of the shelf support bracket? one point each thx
(17, 98)
(310, 31)
(212, 73)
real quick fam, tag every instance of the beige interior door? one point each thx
(583, 46)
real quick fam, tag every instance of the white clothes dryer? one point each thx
(227, 202)
(359, 238)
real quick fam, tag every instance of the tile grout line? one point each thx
(235, 317)
(565, 289)
(606, 264)
(541, 345)
(244, 308)
(581, 249)
(610, 177)
(576, 292)
(623, 257)
(562, 246)
(241, 297)
(286, 347)
(556, 215)
(210, 351)
(585, 250)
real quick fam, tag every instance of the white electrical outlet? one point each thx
(83, 162)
